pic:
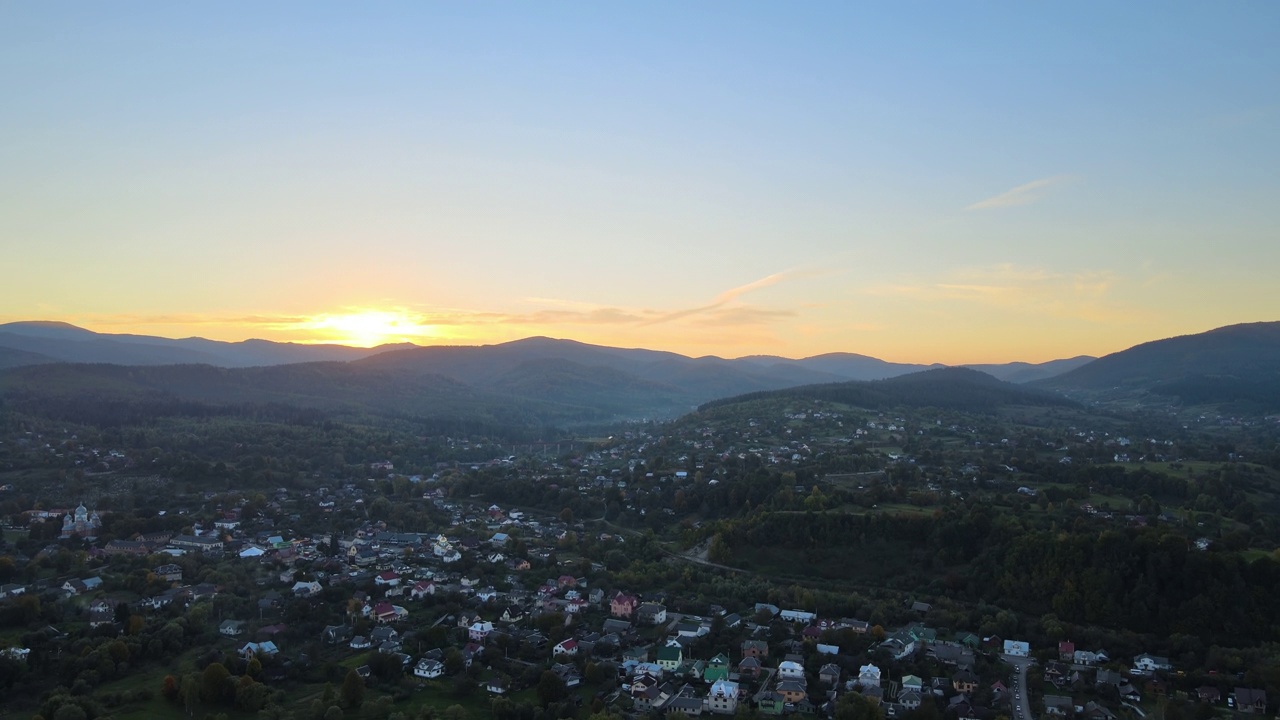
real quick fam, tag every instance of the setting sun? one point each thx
(369, 328)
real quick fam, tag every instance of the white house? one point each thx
(869, 676)
(566, 648)
(428, 668)
(1146, 663)
(479, 630)
(723, 697)
(797, 616)
(1017, 648)
(790, 670)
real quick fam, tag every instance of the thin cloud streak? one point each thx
(1021, 195)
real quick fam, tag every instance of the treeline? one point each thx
(951, 388)
(1149, 580)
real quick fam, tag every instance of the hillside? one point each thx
(1233, 364)
(67, 343)
(956, 388)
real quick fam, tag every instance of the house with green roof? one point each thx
(670, 657)
(717, 668)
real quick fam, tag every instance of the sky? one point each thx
(920, 182)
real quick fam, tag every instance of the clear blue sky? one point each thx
(932, 182)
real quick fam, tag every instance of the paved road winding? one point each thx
(1021, 703)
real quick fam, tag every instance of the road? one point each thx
(1021, 702)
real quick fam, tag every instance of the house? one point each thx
(615, 626)
(1088, 657)
(869, 676)
(770, 703)
(565, 648)
(1058, 705)
(954, 655)
(723, 697)
(479, 630)
(231, 628)
(755, 649)
(360, 642)
(964, 681)
(1017, 648)
(389, 578)
(622, 605)
(381, 635)
(717, 668)
(1108, 677)
(749, 667)
(910, 699)
(1208, 694)
(422, 588)
(1249, 700)
(912, 682)
(651, 614)
(1146, 663)
(1094, 711)
(829, 674)
(428, 668)
(790, 669)
(899, 648)
(685, 701)
(101, 613)
(306, 589)
(385, 612)
(169, 572)
(645, 692)
(9, 590)
(334, 634)
(197, 543)
(797, 616)
(512, 614)
(497, 685)
(670, 656)
(568, 672)
(1066, 651)
(792, 691)
(265, 649)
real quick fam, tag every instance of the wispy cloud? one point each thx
(726, 297)
(724, 312)
(1021, 195)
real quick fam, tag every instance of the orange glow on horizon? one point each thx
(367, 328)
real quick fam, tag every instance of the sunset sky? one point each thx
(936, 182)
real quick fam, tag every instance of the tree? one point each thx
(169, 690)
(213, 682)
(190, 693)
(333, 713)
(352, 690)
(550, 688)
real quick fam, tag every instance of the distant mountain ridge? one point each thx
(544, 380)
(62, 342)
(33, 342)
(1236, 364)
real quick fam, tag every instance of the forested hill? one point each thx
(113, 395)
(1238, 364)
(956, 387)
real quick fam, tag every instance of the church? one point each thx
(83, 523)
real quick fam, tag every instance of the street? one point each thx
(1021, 703)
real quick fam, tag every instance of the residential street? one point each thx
(1021, 703)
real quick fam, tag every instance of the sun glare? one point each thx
(369, 328)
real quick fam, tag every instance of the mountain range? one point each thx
(547, 381)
